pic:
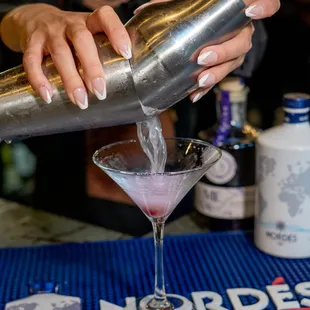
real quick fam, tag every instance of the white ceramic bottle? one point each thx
(282, 213)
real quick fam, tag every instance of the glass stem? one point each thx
(159, 292)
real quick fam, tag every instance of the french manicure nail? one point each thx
(207, 80)
(45, 94)
(80, 97)
(197, 97)
(99, 88)
(207, 59)
(126, 52)
(254, 11)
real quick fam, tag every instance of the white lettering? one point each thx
(262, 298)
(304, 290)
(279, 293)
(215, 304)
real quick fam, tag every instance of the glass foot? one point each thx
(173, 302)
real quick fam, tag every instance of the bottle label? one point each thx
(295, 118)
(231, 203)
(283, 198)
(224, 170)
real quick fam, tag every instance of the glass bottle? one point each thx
(225, 196)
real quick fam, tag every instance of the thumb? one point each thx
(262, 8)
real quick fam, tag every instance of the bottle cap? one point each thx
(235, 87)
(232, 84)
(296, 101)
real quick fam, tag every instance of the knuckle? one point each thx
(80, 33)
(58, 48)
(105, 12)
(33, 38)
(106, 8)
(29, 59)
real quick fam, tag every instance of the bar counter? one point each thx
(23, 226)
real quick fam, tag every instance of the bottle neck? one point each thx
(237, 113)
(230, 113)
(296, 116)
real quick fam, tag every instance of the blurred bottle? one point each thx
(282, 212)
(18, 169)
(225, 196)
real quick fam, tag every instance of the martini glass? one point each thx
(157, 194)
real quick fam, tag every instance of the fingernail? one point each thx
(208, 58)
(197, 97)
(254, 11)
(80, 97)
(45, 94)
(126, 52)
(207, 80)
(99, 88)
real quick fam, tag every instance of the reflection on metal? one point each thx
(166, 39)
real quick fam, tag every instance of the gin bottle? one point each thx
(225, 196)
(282, 213)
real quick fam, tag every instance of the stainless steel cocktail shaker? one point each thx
(166, 38)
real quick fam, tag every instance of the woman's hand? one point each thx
(220, 60)
(40, 29)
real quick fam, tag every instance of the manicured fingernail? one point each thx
(45, 94)
(197, 97)
(99, 88)
(207, 59)
(254, 11)
(80, 97)
(126, 52)
(207, 80)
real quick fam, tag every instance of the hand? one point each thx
(94, 4)
(220, 60)
(41, 29)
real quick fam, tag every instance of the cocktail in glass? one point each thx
(157, 194)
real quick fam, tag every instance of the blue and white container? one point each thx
(282, 212)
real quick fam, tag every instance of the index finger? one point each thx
(106, 20)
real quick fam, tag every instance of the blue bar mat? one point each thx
(115, 270)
